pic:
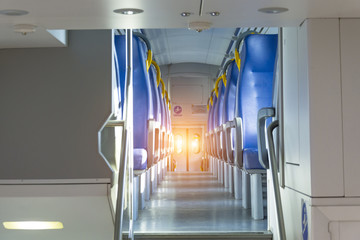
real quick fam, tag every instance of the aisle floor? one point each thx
(195, 202)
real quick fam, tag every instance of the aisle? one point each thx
(188, 202)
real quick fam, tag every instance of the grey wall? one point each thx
(53, 101)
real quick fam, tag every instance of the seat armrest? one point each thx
(229, 147)
(238, 145)
(152, 153)
(217, 142)
(263, 114)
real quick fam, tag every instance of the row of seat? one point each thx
(152, 143)
(245, 87)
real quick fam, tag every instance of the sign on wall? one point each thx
(178, 111)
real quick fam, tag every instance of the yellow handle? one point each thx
(211, 97)
(163, 88)
(207, 107)
(167, 97)
(148, 60)
(237, 59)
(170, 106)
(158, 73)
(224, 79)
(216, 86)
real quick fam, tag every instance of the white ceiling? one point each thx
(83, 209)
(95, 14)
(172, 46)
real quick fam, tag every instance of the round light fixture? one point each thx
(273, 10)
(24, 28)
(214, 14)
(199, 26)
(128, 11)
(185, 14)
(13, 12)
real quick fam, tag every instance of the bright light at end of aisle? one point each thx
(33, 225)
(178, 143)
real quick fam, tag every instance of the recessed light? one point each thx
(13, 12)
(185, 14)
(33, 225)
(128, 11)
(273, 10)
(199, 26)
(215, 13)
(24, 28)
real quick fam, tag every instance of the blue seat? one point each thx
(154, 72)
(218, 115)
(212, 126)
(142, 98)
(253, 92)
(232, 73)
(255, 88)
(161, 91)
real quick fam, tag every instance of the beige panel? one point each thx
(350, 57)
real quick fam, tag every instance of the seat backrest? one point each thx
(212, 117)
(119, 43)
(142, 98)
(218, 110)
(155, 94)
(255, 83)
(162, 104)
(230, 92)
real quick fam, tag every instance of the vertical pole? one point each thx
(129, 125)
(187, 149)
(126, 159)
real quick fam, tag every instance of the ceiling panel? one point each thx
(95, 14)
(171, 46)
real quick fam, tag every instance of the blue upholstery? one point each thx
(255, 86)
(162, 106)
(209, 116)
(218, 111)
(119, 43)
(155, 94)
(140, 157)
(212, 117)
(143, 103)
(230, 92)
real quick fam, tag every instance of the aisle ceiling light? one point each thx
(214, 14)
(128, 11)
(273, 10)
(185, 14)
(24, 28)
(13, 12)
(33, 225)
(199, 26)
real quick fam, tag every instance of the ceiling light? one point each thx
(24, 28)
(13, 12)
(128, 11)
(215, 13)
(185, 14)
(199, 26)
(33, 225)
(273, 10)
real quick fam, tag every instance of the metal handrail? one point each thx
(274, 171)
(126, 147)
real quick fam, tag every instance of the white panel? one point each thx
(350, 56)
(349, 230)
(83, 209)
(187, 94)
(319, 123)
(296, 110)
(327, 177)
(291, 95)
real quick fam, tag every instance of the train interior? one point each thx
(205, 121)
